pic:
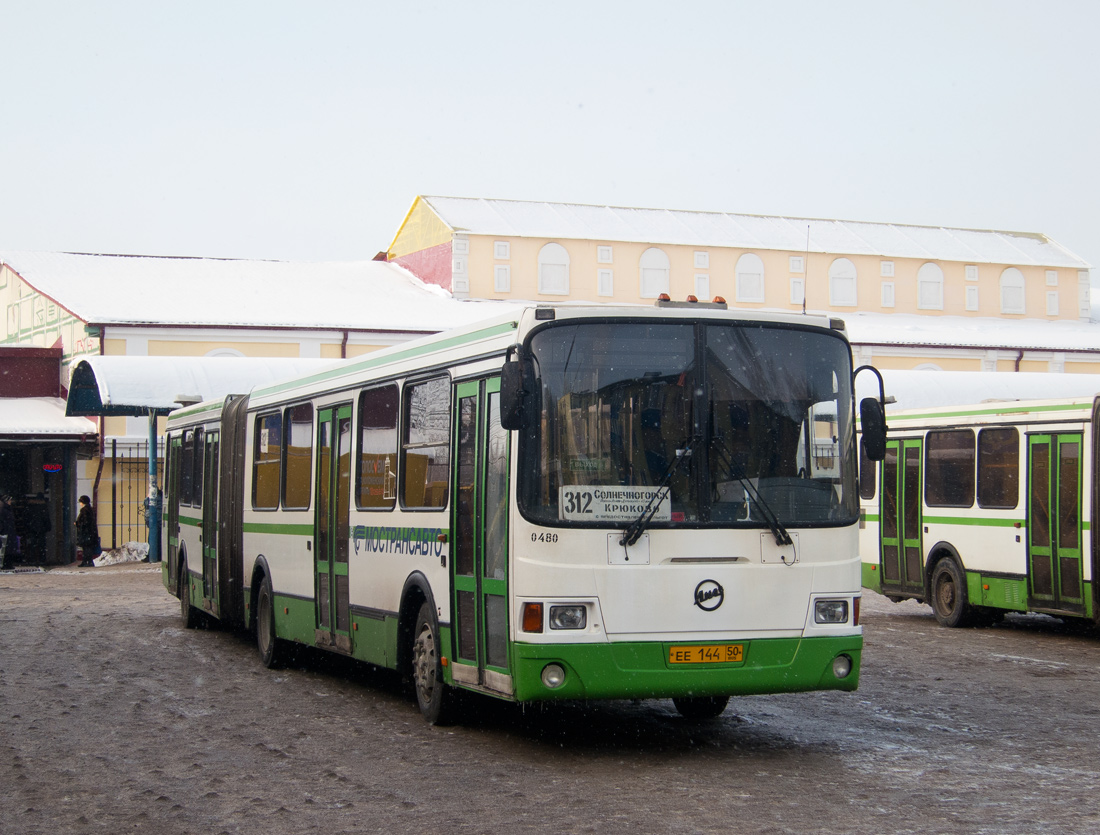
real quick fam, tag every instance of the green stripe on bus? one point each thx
(972, 521)
(193, 521)
(1020, 408)
(286, 529)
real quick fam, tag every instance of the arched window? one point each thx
(224, 352)
(750, 278)
(554, 270)
(653, 269)
(1012, 291)
(842, 283)
(930, 287)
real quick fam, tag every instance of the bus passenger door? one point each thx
(172, 511)
(901, 554)
(479, 525)
(210, 523)
(333, 628)
(1054, 522)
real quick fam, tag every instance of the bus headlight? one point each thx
(553, 676)
(568, 617)
(831, 611)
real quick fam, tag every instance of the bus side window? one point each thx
(297, 456)
(425, 449)
(376, 470)
(187, 467)
(999, 468)
(949, 468)
(266, 460)
(196, 479)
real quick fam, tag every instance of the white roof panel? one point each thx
(531, 219)
(40, 417)
(908, 329)
(927, 389)
(365, 295)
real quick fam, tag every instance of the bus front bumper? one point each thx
(646, 670)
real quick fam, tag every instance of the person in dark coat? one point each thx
(38, 525)
(7, 530)
(87, 533)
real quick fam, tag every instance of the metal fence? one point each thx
(124, 493)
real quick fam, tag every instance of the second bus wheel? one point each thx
(272, 648)
(188, 613)
(949, 599)
(434, 697)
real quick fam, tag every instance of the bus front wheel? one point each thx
(949, 598)
(701, 707)
(433, 696)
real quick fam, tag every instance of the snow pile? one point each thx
(130, 552)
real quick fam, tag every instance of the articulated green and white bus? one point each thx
(572, 502)
(985, 509)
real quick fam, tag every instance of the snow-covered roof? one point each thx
(115, 385)
(926, 389)
(41, 417)
(520, 218)
(910, 329)
(129, 289)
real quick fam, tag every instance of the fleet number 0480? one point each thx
(544, 537)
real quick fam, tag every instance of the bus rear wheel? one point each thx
(434, 697)
(700, 707)
(272, 648)
(949, 598)
(188, 613)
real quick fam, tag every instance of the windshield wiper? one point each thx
(634, 530)
(782, 536)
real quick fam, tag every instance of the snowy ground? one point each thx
(115, 718)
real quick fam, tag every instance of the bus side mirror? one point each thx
(872, 419)
(513, 396)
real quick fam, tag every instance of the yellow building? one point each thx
(882, 279)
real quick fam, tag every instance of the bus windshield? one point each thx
(692, 423)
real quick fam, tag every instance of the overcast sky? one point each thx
(304, 130)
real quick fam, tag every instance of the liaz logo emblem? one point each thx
(709, 595)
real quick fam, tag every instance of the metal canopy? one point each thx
(139, 386)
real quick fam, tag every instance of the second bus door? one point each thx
(333, 628)
(479, 554)
(210, 600)
(1054, 522)
(902, 558)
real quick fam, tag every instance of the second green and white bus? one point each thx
(564, 503)
(985, 509)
